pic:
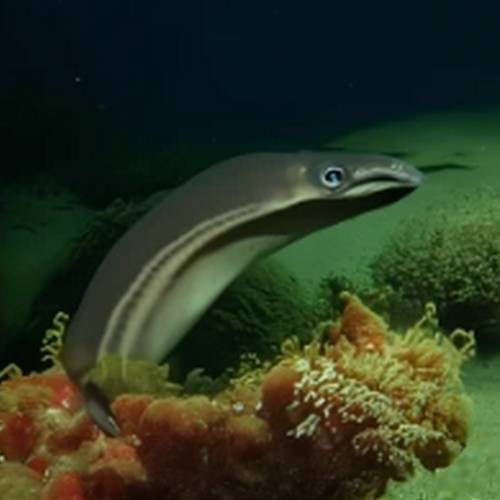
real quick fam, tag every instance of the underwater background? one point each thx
(105, 107)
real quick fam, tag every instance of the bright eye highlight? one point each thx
(332, 177)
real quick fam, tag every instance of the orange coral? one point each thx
(328, 421)
(360, 326)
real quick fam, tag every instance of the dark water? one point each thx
(84, 81)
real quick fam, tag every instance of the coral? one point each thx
(334, 419)
(451, 258)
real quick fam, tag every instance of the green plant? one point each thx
(451, 257)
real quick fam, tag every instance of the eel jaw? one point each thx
(366, 187)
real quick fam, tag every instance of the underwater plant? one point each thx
(452, 259)
(337, 418)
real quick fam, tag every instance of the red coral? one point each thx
(360, 326)
(66, 486)
(105, 484)
(18, 436)
(129, 409)
(278, 391)
(68, 439)
(38, 464)
(52, 388)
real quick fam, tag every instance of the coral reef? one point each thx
(335, 419)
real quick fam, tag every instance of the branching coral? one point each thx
(334, 419)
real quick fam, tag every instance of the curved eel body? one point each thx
(162, 275)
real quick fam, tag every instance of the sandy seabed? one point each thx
(474, 475)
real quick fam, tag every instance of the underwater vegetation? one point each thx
(334, 419)
(67, 283)
(451, 258)
(39, 222)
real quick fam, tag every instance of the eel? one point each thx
(169, 267)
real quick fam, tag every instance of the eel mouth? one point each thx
(372, 182)
(368, 189)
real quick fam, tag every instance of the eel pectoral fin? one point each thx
(99, 409)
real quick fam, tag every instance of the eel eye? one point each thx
(332, 177)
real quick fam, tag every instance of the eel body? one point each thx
(161, 276)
